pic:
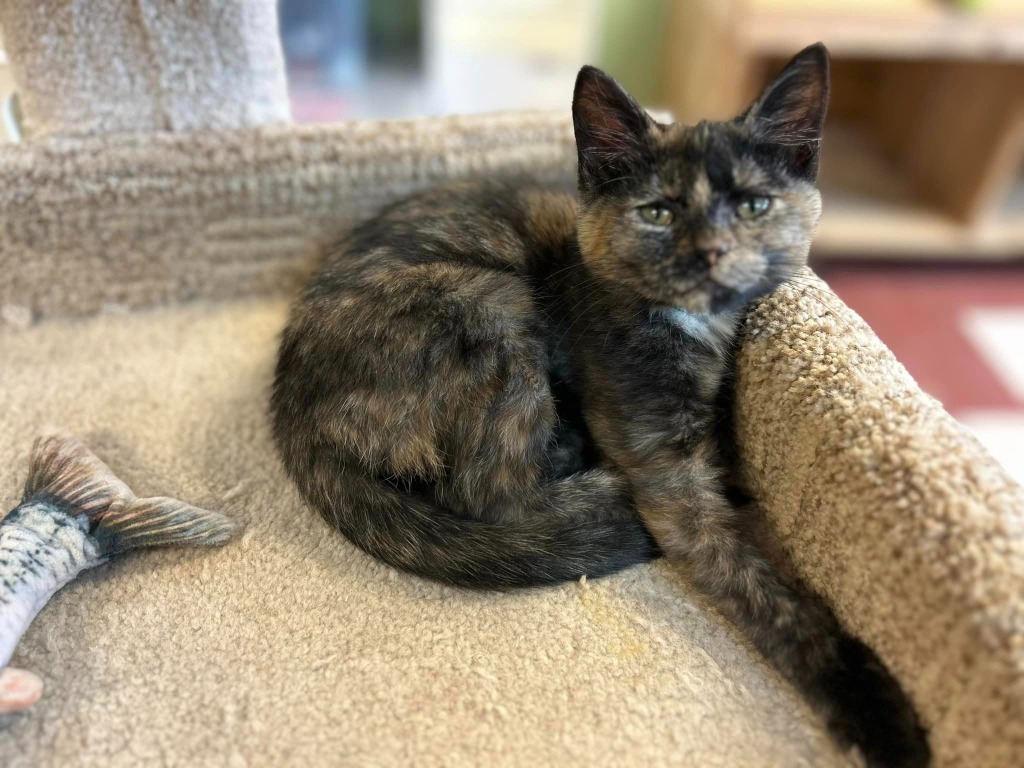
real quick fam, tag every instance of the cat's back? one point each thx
(505, 223)
(439, 288)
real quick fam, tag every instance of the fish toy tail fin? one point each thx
(64, 472)
(160, 521)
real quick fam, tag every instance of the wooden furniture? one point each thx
(924, 151)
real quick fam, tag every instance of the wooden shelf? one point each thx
(926, 127)
(871, 211)
(891, 29)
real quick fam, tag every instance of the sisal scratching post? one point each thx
(120, 66)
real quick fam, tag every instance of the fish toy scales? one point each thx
(75, 514)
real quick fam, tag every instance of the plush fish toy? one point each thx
(75, 514)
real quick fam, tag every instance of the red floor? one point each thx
(918, 311)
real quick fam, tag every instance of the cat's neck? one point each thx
(715, 330)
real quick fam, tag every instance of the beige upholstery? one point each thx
(135, 219)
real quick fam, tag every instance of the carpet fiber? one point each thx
(290, 647)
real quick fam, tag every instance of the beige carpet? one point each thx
(895, 512)
(131, 220)
(290, 647)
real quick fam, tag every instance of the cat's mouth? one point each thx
(725, 287)
(721, 287)
(706, 296)
(696, 298)
(711, 297)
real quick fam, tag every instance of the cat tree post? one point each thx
(114, 66)
(178, 175)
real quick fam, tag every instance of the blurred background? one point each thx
(923, 161)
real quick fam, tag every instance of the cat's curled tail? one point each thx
(566, 540)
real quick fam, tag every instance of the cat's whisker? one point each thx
(612, 180)
(815, 293)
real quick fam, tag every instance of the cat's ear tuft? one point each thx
(791, 110)
(611, 128)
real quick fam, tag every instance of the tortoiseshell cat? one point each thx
(495, 385)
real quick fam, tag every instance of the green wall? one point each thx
(632, 44)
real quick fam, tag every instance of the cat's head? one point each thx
(704, 217)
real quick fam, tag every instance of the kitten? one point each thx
(494, 385)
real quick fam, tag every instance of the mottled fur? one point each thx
(493, 384)
(413, 403)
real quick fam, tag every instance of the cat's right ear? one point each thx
(791, 111)
(611, 129)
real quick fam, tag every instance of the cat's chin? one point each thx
(697, 299)
(709, 297)
(707, 302)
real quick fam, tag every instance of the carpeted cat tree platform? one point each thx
(152, 228)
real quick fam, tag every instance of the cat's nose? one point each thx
(711, 253)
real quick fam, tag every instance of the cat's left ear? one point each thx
(611, 129)
(791, 111)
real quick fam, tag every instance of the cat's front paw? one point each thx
(871, 711)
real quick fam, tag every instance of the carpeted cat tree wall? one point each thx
(152, 227)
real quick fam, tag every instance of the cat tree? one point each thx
(152, 226)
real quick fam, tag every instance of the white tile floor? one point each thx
(1002, 432)
(998, 335)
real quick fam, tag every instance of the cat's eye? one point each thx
(658, 215)
(753, 206)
